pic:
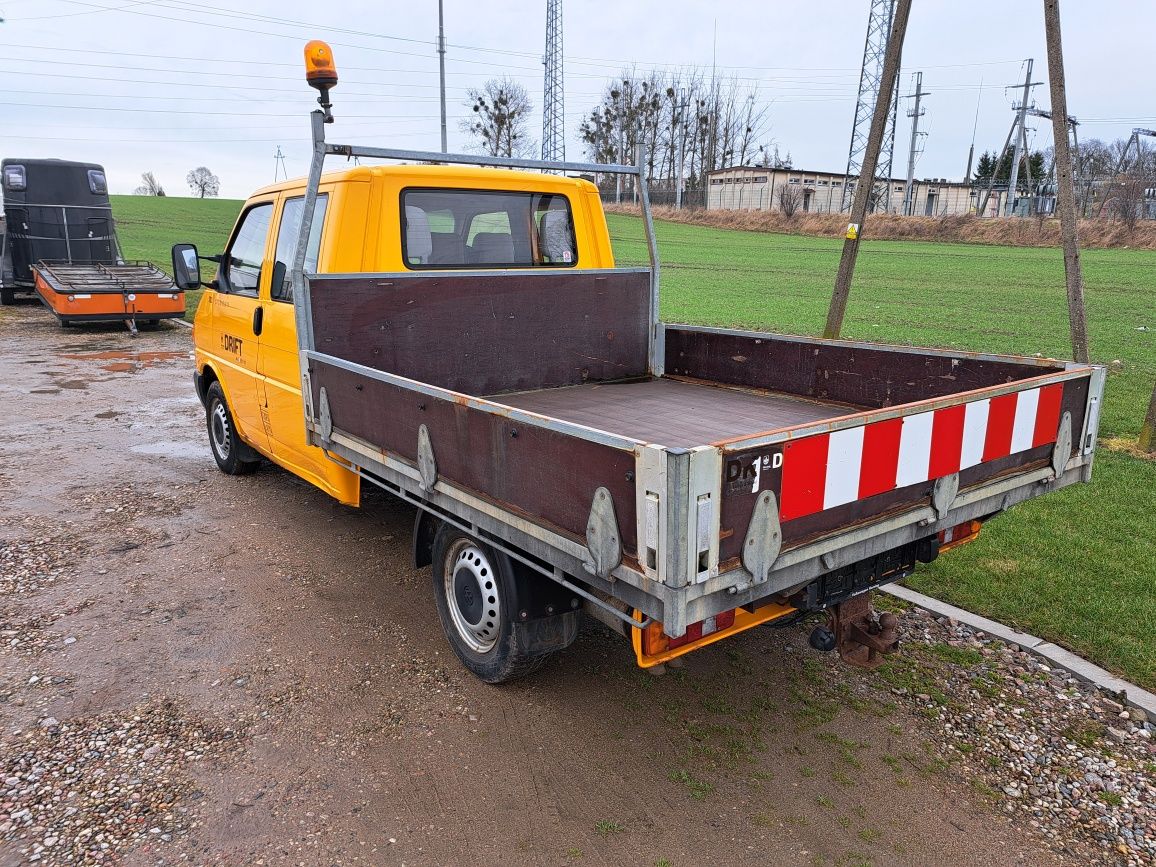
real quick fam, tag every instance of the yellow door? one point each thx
(237, 312)
(278, 366)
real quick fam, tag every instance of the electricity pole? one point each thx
(915, 113)
(1021, 142)
(279, 165)
(442, 71)
(1065, 189)
(682, 106)
(864, 189)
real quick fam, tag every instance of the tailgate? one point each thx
(851, 471)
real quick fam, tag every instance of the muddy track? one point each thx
(334, 725)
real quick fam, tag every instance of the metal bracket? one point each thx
(307, 394)
(943, 494)
(603, 540)
(1063, 448)
(427, 467)
(764, 538)
(326, 421)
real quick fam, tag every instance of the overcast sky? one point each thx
(166, 85)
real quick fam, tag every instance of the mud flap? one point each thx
(547, 634)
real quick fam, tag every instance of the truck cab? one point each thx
(381, 219)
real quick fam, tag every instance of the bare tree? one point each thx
(501, 118)
(1125, 199)
(150, 186)
(677, 115)
(203, 182)
(790, 199)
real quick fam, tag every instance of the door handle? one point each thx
(258, 320)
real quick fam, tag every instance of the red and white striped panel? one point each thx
(832, 469)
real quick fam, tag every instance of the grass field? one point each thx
(1077, 567)
(148, 227)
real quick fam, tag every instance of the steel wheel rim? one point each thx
(219, 431)
(467, 572)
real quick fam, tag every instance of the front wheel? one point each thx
(473, 586)
(228, 450)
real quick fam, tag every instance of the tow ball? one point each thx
(862, 637)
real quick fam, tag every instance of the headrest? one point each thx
(555, 237)
(418, 240)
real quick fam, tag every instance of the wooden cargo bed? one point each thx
(673, 412)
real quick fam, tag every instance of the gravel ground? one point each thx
(1075, 765)
(202, 669)
(88, 790)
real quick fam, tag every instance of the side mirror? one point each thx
(186, 267)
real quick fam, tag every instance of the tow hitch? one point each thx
(861, 636)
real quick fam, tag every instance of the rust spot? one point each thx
(117, 361)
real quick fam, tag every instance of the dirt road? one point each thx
(212, 669)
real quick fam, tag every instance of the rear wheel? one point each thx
(473, 585)
(7, 297)
(228, 450)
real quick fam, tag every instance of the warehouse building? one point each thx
(762, 188)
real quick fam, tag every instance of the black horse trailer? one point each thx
(60, 243)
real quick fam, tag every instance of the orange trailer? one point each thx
(132, 291)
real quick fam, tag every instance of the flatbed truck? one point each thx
(457, 333)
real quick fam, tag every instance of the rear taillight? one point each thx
(695, 631)
(958, 534)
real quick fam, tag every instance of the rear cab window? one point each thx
(486, 229)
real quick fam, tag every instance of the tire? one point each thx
(473, 587)
(228, 450)
(7, 297)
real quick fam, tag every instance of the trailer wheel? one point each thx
(472, 584)
(228, 450)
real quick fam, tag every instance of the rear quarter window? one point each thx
(486, 229)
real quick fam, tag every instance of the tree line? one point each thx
(675, 115)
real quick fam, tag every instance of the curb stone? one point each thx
(1081, 668)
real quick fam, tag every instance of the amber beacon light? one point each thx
(320, 71)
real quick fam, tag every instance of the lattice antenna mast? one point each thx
(553, 98)
(879, 26)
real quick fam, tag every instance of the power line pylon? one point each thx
(553, 97)
(1019, 133)
(879, 25)
(915, 113)
(279, 166)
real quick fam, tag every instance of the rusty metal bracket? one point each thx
(326, 420)
(764, 538)
(427, 467)
(603, 541)
(862, 638)
(1063, 448)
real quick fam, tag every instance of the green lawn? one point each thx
(1077, 567)
(148, 227)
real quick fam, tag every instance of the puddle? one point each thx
(124, 361)
(173, 449)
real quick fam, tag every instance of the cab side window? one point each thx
(241, 265)
(287, 241)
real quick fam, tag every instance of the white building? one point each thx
(761, 188)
